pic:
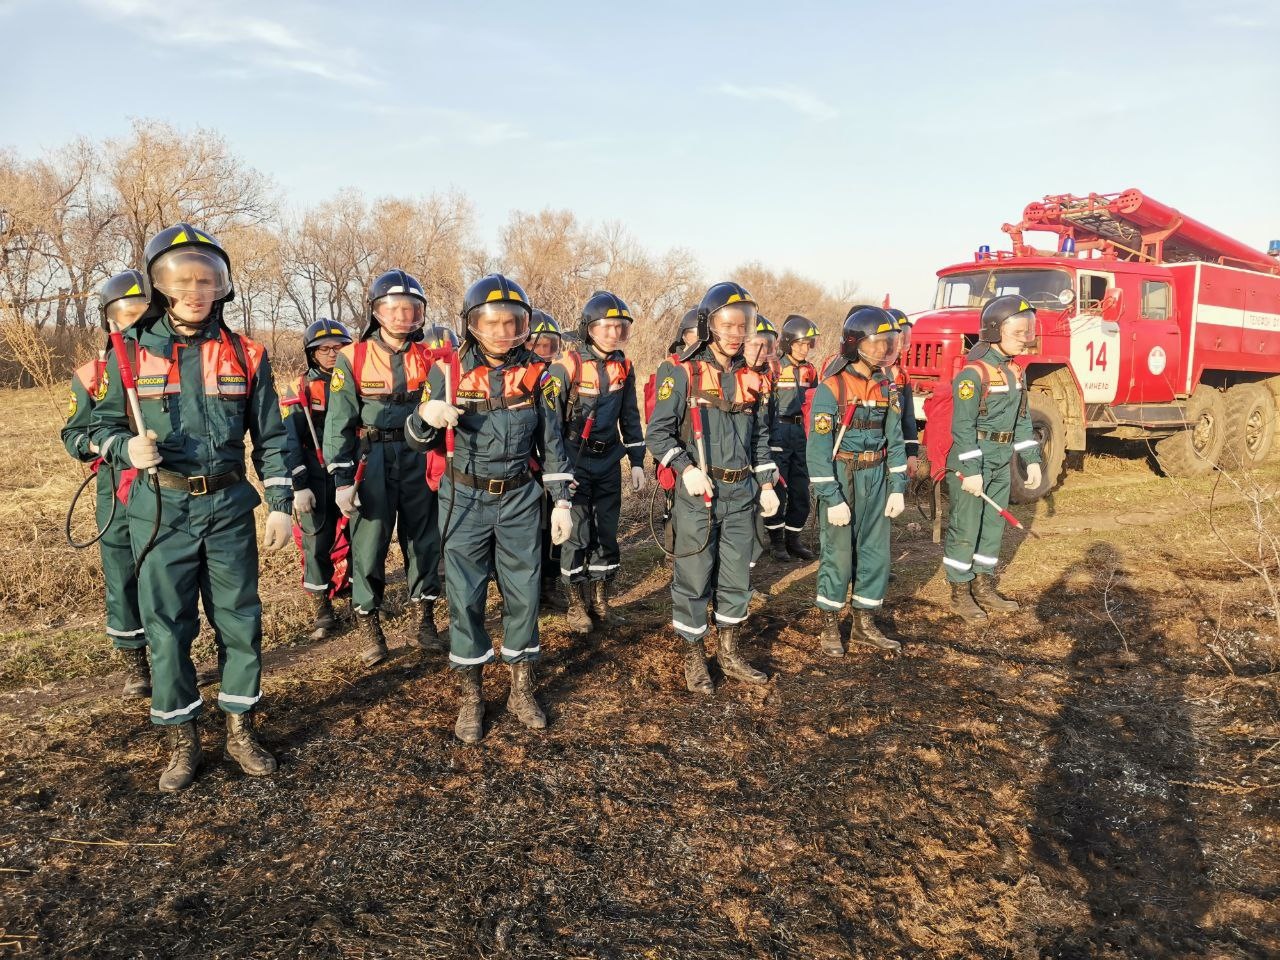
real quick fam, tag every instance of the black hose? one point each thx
(653, 496)
(155, 524)
(75, 498)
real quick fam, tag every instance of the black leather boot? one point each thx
(778, 546)
(796, 548)
(550, 597)
(323, 621)
(469, 727)
(428, 638)
(137, 677)
(863, 630)
(831, 643)
(521, 701)
(962, 604)
(696, 677)
(730, 659)
(184, 757)
(375, 648)
(984, 592)
(243, 747)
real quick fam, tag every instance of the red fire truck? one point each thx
(1151, 325)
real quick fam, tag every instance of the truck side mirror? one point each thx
(1112, 304)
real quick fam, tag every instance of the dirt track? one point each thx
(1095, 776)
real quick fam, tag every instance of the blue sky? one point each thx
(854, 143)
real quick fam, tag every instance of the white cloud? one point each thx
(789, 95)
(252, 39)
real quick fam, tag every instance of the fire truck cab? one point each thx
(1151, 325)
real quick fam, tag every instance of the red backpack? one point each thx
(938, 409)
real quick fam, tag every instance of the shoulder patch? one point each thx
(72, 406)
(822, 423)
(550, 389)
(966, 390)
(426, 390)
(102, 388)
(668, 384)
(337, 380)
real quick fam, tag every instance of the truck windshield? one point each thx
(1041, 288)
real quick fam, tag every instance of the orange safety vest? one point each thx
(519, 388)
(229, 364)
(584, 376)
(90, 373)
(372, 371)
(315, 392)
(704, 384)
(852, 389)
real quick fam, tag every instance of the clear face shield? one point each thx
(729, 326)
(124, 313)
(399, 314)
(545, 345)
(499, 327)
(193, 280)
(611, 334)
(1018, 333)
(880, 349)
(760, 350)
(800, 348)
(904, 333)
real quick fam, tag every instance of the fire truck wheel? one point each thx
(1195, 452)
(1251, 425)
(1051, 431)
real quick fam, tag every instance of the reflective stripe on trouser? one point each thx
(217, 568)
(723, 569)
(491, 537)
(974, 528)
(591, 552)
(394, 496)
(124, 621)
(319, 530)
(794, 470)
(859, 551)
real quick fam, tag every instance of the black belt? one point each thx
(490, 484)
(199, 486)
(798, 418)
(729, 476)
(374, 435)
(862, 461)
(1002, 437)
(595, 447)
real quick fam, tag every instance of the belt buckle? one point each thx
(497, 487)
(197, 489)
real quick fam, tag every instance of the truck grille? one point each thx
(924, 358)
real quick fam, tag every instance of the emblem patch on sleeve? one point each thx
(551, 390)
(822, 423)
(102, 388)
(72, 406)
(668, 384)
(966, 390)
(426, 390)
(337, 380)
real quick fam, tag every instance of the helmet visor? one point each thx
(609, 334)
(500, 326)
(880, 349)
(760, 349)
(545, 345)
(191, 275)
(730, 325)
(1020, 327)
(400, 314)
(124, 313)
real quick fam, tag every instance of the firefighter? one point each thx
(989, 424)
(859, 475)
(201, 388)
(377, 382)
(546, 339)
(761, 355)
(122, 299)
(314, 503)
(490, 505)
(686, 334)
(796, 377)
(910, 429)
(594, 393)
(723, 471)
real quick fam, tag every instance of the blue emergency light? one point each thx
(1068, 245)
(1273, 248)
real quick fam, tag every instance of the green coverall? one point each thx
(320, 526)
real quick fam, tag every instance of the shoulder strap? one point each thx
(237, 347)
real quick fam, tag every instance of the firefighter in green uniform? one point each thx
(858, 467)
(314, 503)
(201, 388)
(761, 355)
(490, 505)
(721, 476)
(546, 339)
(122, 299)
(796, 377)
(594, 391)
(989, 425)
(910, 428)
(377, 382)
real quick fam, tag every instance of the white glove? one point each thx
(894, 506)
(696, 483)
(279, 530)
(304, 501)
(348, 499)
(638, 479)
(769, 502)
(972, 484)
(561, 522)
(143, 452)
(839, 515)
(1033, 475)
(438, 414)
